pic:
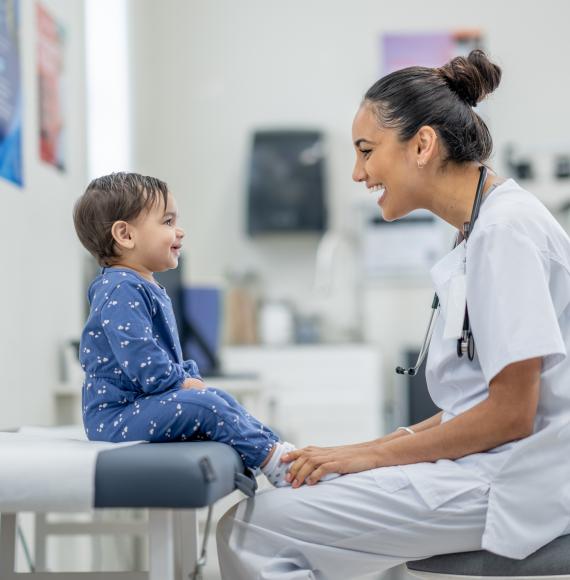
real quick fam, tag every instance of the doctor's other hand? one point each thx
(190, 383)
(310, 464)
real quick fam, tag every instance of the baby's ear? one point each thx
(121, 232)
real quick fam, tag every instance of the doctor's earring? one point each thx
(421, 165)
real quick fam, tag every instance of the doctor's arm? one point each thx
(418, 427)
(506, 415)
(427, 423)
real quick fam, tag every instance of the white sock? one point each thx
(276, 472)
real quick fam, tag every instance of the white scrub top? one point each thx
(517, 264)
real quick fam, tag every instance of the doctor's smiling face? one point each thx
(390, 168)
(419, 142)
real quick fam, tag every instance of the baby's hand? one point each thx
(193, 384)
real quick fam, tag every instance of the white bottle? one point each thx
(276, 324)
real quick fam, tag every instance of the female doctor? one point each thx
(491, 470)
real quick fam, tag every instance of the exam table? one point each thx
(172, 480)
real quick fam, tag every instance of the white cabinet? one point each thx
(324, 394)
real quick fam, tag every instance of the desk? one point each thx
(323, 394)
(247, 388)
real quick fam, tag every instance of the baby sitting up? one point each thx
(137, 385)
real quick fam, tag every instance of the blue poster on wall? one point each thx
(10, 93)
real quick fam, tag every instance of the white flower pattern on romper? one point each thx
(130, 351)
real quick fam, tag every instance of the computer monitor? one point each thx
(197, 318)
(420, 404)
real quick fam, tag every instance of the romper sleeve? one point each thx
(192, 369)
(511, 310)
(126, 319)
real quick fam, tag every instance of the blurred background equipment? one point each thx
(286, 182)
(408, 246)
(197, 311)
(241, 307)
(276, 323)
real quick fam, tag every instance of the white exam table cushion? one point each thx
(42, 472)
(57, 469)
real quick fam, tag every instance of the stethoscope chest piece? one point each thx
(466, 345)
(471, 347)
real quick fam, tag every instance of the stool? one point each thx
(551, 562)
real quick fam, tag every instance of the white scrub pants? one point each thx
(350, 527)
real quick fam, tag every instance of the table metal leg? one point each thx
(7, 545)
(161, 545)
(186, 532)
(40, 542)
(173, 550)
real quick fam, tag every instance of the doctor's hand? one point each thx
(310, 464)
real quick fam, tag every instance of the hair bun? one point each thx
(471, 78)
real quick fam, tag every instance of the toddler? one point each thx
(137, 385)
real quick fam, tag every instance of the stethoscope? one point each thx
(466, 343)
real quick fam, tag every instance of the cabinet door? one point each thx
(324, 395)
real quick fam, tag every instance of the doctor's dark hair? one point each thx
(111, 198)
(442, 98)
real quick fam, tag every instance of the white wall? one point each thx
(205, 74)
(108, 85)
(40, 293)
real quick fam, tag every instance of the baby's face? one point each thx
(157, 237)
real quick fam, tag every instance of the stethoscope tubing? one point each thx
(465, 344)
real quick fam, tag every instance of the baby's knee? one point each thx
(215, 391)
(197, 396)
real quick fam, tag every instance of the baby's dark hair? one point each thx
(111, 198)
(442, 98)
